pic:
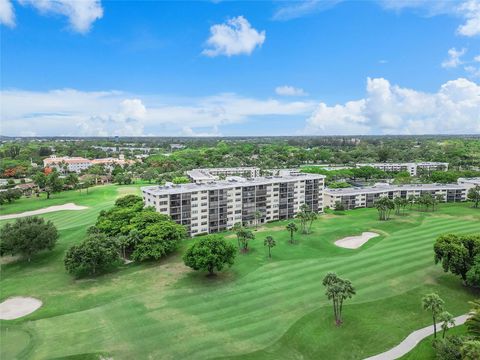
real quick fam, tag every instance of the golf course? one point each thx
(260, 308)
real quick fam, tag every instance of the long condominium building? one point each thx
(469, 182)
(356, 197)
(212, 174)
(218, 205)
(78, 164)
(411, 167)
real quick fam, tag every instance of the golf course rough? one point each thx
(258, 309)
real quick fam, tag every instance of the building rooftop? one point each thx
(375, 189)
(225, 184)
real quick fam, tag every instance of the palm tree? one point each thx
(435, 304)
(473, 321)
(270, 242)
(292, 227)
(412, 200)
(447, 321)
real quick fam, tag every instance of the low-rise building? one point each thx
(469, 182)
(410, 167)
(218, 205)
(67, 164)
(78, 164)
(212, 174)
(356, 197)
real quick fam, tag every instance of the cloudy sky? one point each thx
(91, 67)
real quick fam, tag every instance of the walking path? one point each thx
(412, 340)
(69, 206)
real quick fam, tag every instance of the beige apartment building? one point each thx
(357, 197)
(218, 205)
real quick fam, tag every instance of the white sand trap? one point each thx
(18, 306)
(354, 242)
(69, 206)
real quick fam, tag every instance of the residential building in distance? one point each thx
(410, 167)
(67, 164)
(212, 174)
(78, 164)
(469, 182)
(218, 205)
(356, 197)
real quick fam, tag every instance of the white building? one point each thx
(212, 174)
(78, 164)
(410, 167)
(218, 205)
(70, 164)
(469, 182)
(356, 197)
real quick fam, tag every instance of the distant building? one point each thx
(67, 164)
(356, 197)
(469, 182)
(410, 167)
(177, 146)
(78, 164)
(212, 174)
(219, 205)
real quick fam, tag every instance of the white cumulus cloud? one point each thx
(73, 112)
(235, 37)
(7, 15)
(287, 90)
(81, 14)
(390, 109)
(454, 58)
(470, 10)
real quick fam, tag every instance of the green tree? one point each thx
(432, 302)
(72, 180)
(97, 253)
(339, 206)
(473, 321)
(270, 243)
(447, 321)
(291, 227)
(210, 253)
(28, 236)
(474, 195)
(338, 290)
(181, 180)
(304, 216)
(244, 236)
(471, 350)
(158, 239)
(9, 196)
(384, 207)
(473, 275)
(457, 253)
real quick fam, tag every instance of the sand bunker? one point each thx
(18, 306)
(69, 206)
(354, 242)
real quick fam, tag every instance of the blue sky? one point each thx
(239, 68)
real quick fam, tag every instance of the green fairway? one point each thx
(258, 309)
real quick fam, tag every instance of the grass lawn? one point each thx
(259, 308)
(424, 350)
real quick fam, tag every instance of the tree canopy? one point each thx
(28, 236)
(210, 253)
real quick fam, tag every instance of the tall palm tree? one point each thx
(270, 242)
(447, 322)
(292, 227)
(435, 304)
